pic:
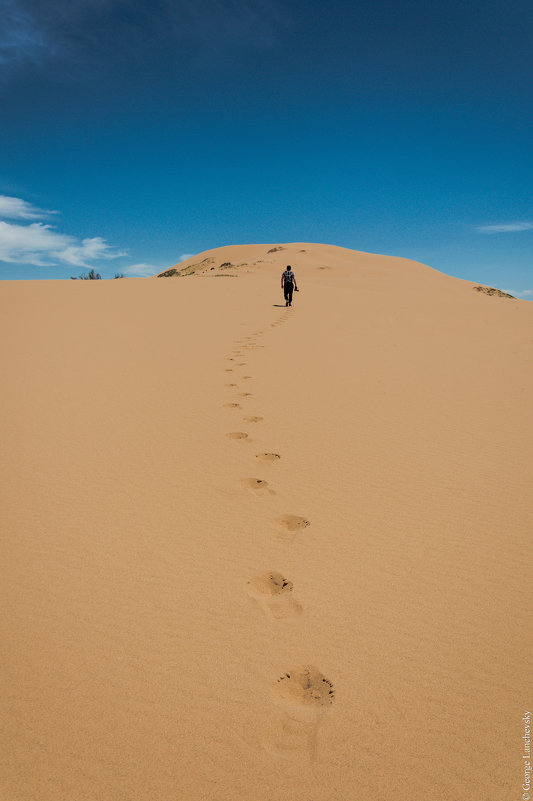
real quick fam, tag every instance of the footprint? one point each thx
(232, 405)
(304, 687)
(257, 485)
(230, 385)
(246, 376)
(273, 594)
(301, 699)
(293, 522)
(245, 394)
(241, 364)
(237, 435)
(228, 369)
(229, 359)
(268, 457)
(253, 419)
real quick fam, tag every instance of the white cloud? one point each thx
(141, 270)
(40, 244)
(30, 244)
(14, 208)
(90, 249)
(185, 256)
(504, 228)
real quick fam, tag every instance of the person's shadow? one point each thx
(279, 305)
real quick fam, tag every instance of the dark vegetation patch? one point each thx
(490, 290)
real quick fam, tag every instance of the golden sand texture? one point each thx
(352, 628)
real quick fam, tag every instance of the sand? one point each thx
(254, 553)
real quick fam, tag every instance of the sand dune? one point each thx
(254, 553)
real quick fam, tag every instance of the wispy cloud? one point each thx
(14, 208)
(98, 31)
(504, 228)
(141, 270)
(185, 256)
(20, 36)
(91, 249)
(40, 244)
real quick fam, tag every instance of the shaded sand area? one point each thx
(263, 554)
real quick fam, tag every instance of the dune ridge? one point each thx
(263, 553)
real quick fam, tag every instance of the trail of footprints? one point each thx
(302, 695)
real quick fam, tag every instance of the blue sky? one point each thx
(133, 133)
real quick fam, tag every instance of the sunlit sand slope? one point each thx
(258, 553)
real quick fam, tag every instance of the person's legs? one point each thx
(288, 291)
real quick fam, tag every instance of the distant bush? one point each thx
(92, 276)
(118, 275)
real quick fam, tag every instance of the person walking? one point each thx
(288, 283)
